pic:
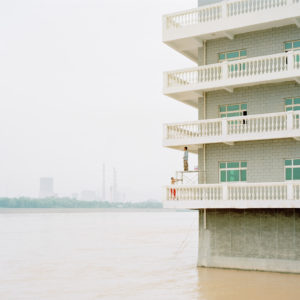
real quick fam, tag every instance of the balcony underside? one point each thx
(238, 204)
(190, 94)
(186, 39)
(194, 144)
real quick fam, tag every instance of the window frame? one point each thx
(235, 111)
(291, 105)
(240, 168)
(290, 167)
(293, 48)
(232, 59)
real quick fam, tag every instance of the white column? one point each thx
(289, 120)
(224, 9)
(225, 70)
(225, 191)
(224, 127)
(290, 191)
(290, 60)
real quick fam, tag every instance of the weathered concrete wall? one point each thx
(253, 239)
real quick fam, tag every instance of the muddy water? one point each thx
(119, 255)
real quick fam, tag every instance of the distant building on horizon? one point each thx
(46, 187)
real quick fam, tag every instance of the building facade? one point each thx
(246, 88)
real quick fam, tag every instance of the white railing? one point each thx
(194, 192)
(193, 129)
(234, 192)
(242, 7)
(264, 123)
(223, 10)
(251, 68)
(227, 127)
(194, 16)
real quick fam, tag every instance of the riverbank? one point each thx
(81, 210)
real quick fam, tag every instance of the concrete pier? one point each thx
(250, 239)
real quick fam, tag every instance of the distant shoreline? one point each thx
(82, 210)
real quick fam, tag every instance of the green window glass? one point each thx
(288, 174)
(296, 173)
(292, 169)
(232, 110)
(244, 164)
(288, 162)
(243, 175)
(222, 108)
(223, 176)
(293, 45)
(292, 104)
(296, 44)
(222, 56)
(288, 45)
(233, 171)
(296, 162)
(233, 165)
(222, 165)
(232, 175)
(296, 100)
(288, 101)
(232, 55)
(233, 107)
(243, 53)
(233, 115)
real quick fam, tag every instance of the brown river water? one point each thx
(119, 255)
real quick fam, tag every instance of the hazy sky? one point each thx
(81, 84)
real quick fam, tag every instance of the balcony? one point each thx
(234, 195)
(188, 85)
(185, 31)
(229, 130)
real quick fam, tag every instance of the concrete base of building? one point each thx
(250, 239)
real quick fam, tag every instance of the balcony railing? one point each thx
(222, 10)
(231, 74)
(226, 17)
(226, 130)
(235, 195)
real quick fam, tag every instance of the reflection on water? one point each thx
(120, 255)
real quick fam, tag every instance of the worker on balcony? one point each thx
(173, 190)
(185, 159)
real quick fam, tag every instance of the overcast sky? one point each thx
(81, 84)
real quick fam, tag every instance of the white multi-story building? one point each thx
(246, 89)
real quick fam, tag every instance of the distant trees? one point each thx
(71, 203)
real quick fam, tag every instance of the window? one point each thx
(232, 110)
(233, 55)
(292, 104)
(233, 171)
(292, 169)
(293, 45)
